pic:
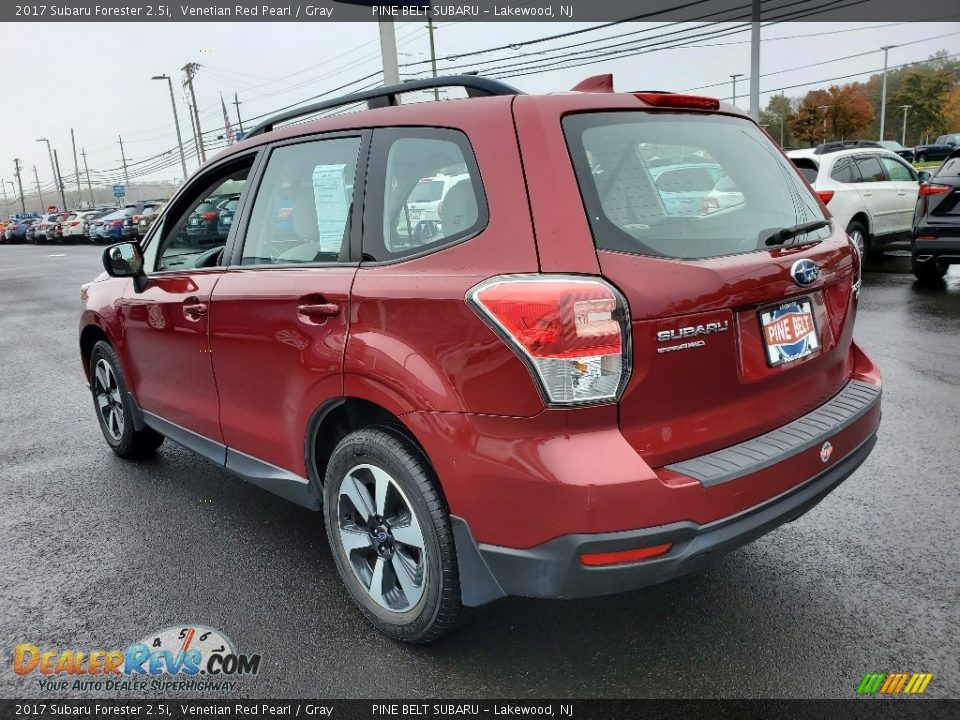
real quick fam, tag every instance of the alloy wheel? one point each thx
(381, 538)
(858, 238)
(109, 402)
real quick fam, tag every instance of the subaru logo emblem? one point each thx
(381, 536)
(826, 450)
(804, 272)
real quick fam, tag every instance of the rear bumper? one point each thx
(946, 247)
(842, 432)
(554, 570)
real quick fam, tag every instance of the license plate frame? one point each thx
(789, 331)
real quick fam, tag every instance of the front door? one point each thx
(166, 325)
(878, 193)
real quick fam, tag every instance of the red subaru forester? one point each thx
(551, 346)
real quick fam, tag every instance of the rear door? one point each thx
(727, 344)
(879, 194)
(905, 180)
(280, 313)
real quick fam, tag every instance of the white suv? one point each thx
(871, 192)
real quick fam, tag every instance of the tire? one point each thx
(929, 273)
(113, 406)
(401, 538)
(921, 158)
(858, 233)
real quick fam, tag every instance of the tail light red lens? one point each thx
(210, 215)
(692, 102)
(625, 556)
(572, 332)
(74, 223)
(116, 223)
(709, 205)
(933, 189)
(136, 218)
(825, 196)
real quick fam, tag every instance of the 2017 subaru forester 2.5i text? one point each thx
(621, 346)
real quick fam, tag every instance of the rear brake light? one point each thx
(709, 205)
(116, 223)
(825, 196)
(625, 556)
(211, 215)
(74, 223)
(696, 102)
(572, 332)
(933, 189)
(926, 237)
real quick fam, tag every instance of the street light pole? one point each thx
(36, 179)
(734, 77)
(53, 167)
(83, 151)
(883, 91)
(388, 52)
(176, 122)
(903, 138)
(755, 61)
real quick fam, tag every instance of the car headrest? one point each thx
(459, 209)
(305, 223)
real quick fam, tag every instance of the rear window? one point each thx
(427, 191)
(808, 168)
(649, 184)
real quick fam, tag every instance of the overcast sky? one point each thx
(96, 77)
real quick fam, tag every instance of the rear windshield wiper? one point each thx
(781, 236)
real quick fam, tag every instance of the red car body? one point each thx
(541, 495)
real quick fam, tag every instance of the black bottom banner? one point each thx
(501, 709)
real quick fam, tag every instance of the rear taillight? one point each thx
(709, 205)
(825, 196)
(74, 223)
(693, 102)
(116, 223)
(136, 218)
(933, 189)
(572, 332)
(210, 215)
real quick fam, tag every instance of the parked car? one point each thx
(55, 229)
(567, 391)
(146, 217)
(227, 212)
(75, 228)
(684, 187)
(31, 233)
(895, 147)
(936, 222)
(113, 227)
(871, 192)
(16, 231)
(45, 227)
(4, 224)
(203, 225)
(940, 149)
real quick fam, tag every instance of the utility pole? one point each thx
(36, 178)
(755, 62)
(83, 152)
(823, 109)
(388, 52)
(190, 69)
(433, 50)
(883, 91)
(176, 122)
(236, 104)
(56, 165)
(16, 165)
(734, 77)
(126, 176)
(53, 167)
(76, 165)
(906, 109)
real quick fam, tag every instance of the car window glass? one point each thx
(870, 169)
(302, 210)
(897, 170)
(622, 159)
(197, 232)
(429, 193)
(843, 171)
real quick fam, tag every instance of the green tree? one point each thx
(777, 115)
(924, 92)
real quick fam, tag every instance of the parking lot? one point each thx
(98, 552)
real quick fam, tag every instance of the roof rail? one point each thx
(838, 145)
(387, 96)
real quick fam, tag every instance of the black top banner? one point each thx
(478, 11)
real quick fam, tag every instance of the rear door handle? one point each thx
(319, 310)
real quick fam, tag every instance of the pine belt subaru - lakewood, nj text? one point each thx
(570, 381)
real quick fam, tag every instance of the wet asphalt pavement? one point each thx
(97, 552)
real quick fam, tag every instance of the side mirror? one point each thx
(924, 176)
(125, 260)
